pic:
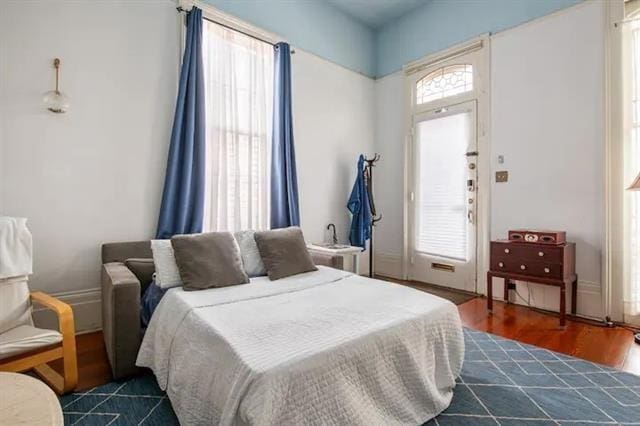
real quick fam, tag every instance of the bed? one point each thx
(323, 347)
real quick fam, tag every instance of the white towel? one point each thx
(15, 247)
(15, 303)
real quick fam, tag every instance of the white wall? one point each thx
(547, 120)
(95, 174)
(333, 124)
(389, 175)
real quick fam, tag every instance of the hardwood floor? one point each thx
(93, 366)
(609, 346)
(614, 347)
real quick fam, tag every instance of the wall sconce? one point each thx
(54, 100)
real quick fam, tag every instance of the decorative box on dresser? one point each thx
(537, 263)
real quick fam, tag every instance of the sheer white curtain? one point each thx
(631, 48)
(239, 95)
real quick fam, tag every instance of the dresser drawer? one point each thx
(536, 268)
(523, 251)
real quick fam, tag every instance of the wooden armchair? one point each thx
(29, 348)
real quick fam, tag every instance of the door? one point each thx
(444, 196)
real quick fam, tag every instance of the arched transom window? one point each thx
(444, 82)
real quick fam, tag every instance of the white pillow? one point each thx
(167, 274)
(251, 259)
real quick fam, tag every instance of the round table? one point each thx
(27, 401)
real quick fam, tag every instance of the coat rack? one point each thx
(368, 178)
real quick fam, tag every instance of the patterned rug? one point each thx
(502, 382)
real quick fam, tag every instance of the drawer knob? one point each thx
(540, 253)
(506, 250)
(547, 270)
(500, 264)
(523, 267)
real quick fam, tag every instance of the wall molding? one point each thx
(388, 265)
(613, 264)
(448, 54)
(87, 310)
(547, 297)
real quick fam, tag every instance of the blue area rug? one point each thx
(502, 382)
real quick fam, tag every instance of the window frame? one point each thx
(442, 71)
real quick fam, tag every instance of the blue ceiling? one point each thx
(376, 13)
(376, 37)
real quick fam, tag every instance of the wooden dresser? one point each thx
(537, 263)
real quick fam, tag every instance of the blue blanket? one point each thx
(149, 301)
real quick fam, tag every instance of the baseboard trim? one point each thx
(388, 265)
(546, 297)
(87, 311)
(543, 297)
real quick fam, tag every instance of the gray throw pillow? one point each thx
(284, 252)
(251, 259)
(142, 268)
(208, 260)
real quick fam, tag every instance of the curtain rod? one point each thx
(181, 10)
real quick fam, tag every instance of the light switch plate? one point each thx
(502, 176)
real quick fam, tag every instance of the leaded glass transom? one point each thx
(444, 82)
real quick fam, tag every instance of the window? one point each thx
(238, 96)
(445, 82)
(441, 217)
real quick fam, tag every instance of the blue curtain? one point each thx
(360, 209)
(182, 206)
(284, 182)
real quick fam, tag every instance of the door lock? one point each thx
(471, 186)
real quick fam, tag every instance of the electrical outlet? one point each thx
(502, 176)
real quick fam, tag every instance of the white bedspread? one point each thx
(325, 347)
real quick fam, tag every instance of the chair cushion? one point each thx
(15, 304)
(15, 247)
(26, 338)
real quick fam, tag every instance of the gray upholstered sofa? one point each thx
(122, 287)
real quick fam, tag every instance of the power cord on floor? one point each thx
(529, 297)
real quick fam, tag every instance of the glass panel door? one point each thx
(442, 189)
(443, 229)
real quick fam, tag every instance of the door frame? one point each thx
(481, 93)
